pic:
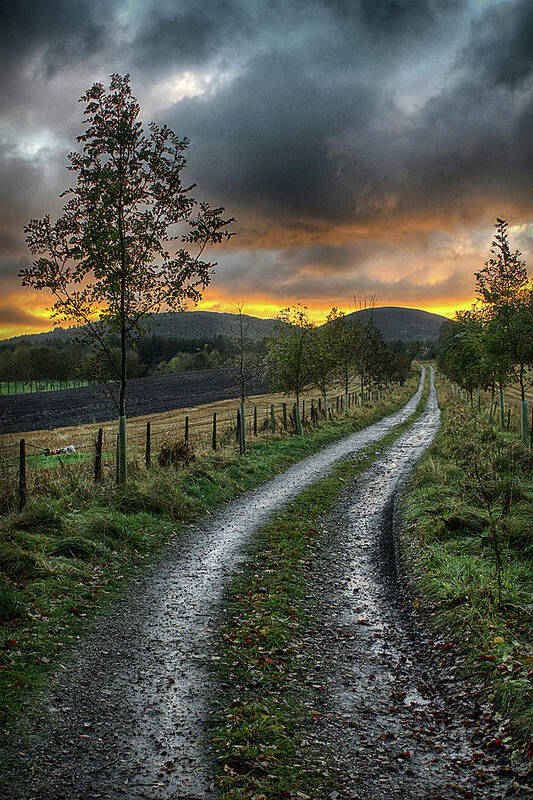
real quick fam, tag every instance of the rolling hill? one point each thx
(182, 325)
(408, 324)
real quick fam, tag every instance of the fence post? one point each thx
(272, 418)
(22, 474)
(148, 452)
(312, 411)
(117, 465)
(186, 429)
(242, 432)
(98, 457)
(255, 420)
(502, 409)
(303, 411)
(508, 419)
(297, 419)
(214, 437)
(285, 415)
(238, 430)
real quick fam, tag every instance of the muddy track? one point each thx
(126, 717)
(394, 717)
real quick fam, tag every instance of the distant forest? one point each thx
(64, 362)
(60, 363)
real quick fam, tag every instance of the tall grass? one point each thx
(467, 537)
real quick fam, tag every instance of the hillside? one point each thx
(407, 324)
(183, 325)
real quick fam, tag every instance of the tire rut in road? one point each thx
(127, 718)
(388, 718)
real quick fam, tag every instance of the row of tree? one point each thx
(491, 344)
(300, 354)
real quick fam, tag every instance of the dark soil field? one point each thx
(48, 410)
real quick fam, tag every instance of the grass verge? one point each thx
(465, 518)
(70, 552)
(268, 688)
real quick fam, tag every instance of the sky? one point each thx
(365, 147)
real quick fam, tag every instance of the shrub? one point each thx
(176, 454)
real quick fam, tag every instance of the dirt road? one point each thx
(126, 717)
(395, 717)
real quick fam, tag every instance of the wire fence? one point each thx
(505, 408)
(32, 463)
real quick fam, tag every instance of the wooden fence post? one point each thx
(22, 474)
(303, 411)
(148, 451)
(214, 437)
(272, 418)
(98, 457)
(186, 429)
(508, 418)
(238, 431)
(285, 415)
(255, 420)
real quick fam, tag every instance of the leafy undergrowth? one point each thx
(70, 552)
(269, 693)
(467, 516)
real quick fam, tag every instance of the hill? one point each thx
(182, 325)
(407, 324)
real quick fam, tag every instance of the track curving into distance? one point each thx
(127, 716)
(394, 716)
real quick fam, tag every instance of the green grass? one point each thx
(72, 549)
(27, 387)
(267, 702)
(471, 473)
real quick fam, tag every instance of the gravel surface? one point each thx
(397, 718)
(151, 395)
(126, 717)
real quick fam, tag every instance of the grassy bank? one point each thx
(268, 686)
(70, 552)
(466, 536)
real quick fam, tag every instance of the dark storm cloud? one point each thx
(299, 143)
(190, 33)
(365, 123)
(501, 45)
